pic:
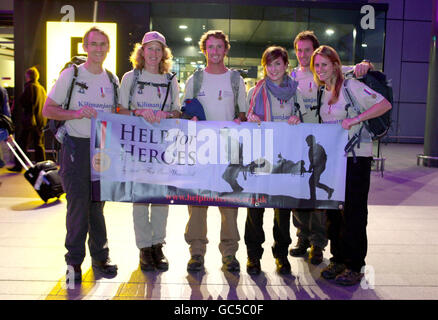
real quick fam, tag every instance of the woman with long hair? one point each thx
(347, 227)
(273, 99)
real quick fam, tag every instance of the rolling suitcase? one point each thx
(43, 176)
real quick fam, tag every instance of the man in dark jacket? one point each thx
(4, 110)
(30, 105)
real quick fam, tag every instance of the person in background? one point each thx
(31, 103)
(4, 110)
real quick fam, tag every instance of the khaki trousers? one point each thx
(196, 230)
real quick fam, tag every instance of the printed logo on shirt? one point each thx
(82, 87)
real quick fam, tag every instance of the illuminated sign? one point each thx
(64, 40)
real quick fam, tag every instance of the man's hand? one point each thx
(86, 112)
(253, 118)
(362, 68)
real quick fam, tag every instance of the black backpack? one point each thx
(377, 81)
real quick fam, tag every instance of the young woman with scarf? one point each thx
(273, 99)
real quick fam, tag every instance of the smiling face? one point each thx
(324, 68)
(304, 50)
(153, 53)
(96, 47)
(276, 69)
(215, 51)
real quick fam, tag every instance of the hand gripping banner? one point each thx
(270, 165)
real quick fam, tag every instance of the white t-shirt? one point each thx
(309, 91)
(282, 110)
(216, 96)
(150, 91)
(366, 98)
(94, 90)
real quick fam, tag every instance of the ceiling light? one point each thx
(329, 32)
(187, 39)
(364, 45)
(184, 27)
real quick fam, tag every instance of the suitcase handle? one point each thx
(18, 157)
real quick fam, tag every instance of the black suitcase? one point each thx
(43, 176)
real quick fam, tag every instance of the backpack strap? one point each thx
(235, 84)
(115, 89)
(297, 108)
(198, 76)
(133, 84)
(170, 76)
(67, 101)
(319, 102)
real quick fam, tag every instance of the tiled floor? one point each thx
(401, 263)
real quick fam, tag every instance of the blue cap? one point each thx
(192, 107)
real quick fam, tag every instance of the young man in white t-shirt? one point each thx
(93, 92)
(311, 224)
(216, 96)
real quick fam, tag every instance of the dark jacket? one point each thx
(31, 103)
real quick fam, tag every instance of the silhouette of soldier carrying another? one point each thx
(318, 159)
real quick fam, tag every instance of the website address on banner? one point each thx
(206, 199)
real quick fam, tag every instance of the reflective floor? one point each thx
(401, 263)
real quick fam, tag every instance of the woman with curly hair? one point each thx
(152, 60)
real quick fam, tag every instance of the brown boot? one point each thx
(146, 260)
(159, 259)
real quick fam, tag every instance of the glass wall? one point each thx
(253, 28)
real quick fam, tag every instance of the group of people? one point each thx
(143, 92)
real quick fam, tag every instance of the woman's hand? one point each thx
(347, 123)
(147, 114)
(253, 118)
(293, 120)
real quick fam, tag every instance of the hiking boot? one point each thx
(300, 249)
(253, 266)
(315, 255)
(147, 262)
(349, 278)
(196, 263)
(332, 270)
(104, 267)
(283, 265)
(160, 260)
(73, 273)
(231, 264)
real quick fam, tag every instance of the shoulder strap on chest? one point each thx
(66, 105)
(115, 89)
(235, 85)
(198, 76)
(133, 84)
(351, 100)
(170, 77)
